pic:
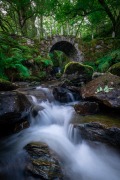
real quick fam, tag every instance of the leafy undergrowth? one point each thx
(19, 59)
(104, 63)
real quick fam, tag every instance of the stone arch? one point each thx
(68, 46)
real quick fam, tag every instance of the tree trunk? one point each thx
(33, 28)
(41, 26)
(109, 13)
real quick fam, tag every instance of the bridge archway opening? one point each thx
(67, 48)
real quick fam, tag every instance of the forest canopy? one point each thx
(41, 18)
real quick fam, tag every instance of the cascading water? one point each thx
(73, 134)
(70, 96)
(52, 126)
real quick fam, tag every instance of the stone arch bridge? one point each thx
(68, 45)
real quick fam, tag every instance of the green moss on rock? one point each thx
(115, 69)
(75, 67)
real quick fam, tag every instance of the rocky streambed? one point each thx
(23, 105)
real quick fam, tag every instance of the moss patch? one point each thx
(75, 67)
(115, 69)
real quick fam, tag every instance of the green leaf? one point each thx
(99, 89)
(47, 62)
(106, 89)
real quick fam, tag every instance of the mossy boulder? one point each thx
(73, 67)
(7, 86)
(115, 69)
(76, 70)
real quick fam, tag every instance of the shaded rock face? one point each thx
(35, 109)
(60, 94)
(85, 108)
(65, 95)
(40, 94)
(97, 132)
(115, 69)
(110, 98)
(97, 74)
(14, 109)
(74, 79)
(43, 164)
(7, 86)
(78, 73)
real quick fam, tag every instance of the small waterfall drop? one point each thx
(52, 126)
(43, 89)
(70, 96)
(34, 99)
(73, 134)
(46, 91)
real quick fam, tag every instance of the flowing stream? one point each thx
(52, 126)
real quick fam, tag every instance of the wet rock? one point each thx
(97, 132)
(97, 74)
(14, 109)
(40, 94)
(60, 94)
(78, 73)
(75, 92)
(22, 84)
(74, 80)
(43, 164)
(20, 126)
(95, 90)
(85, 108)
(66, 94)
(35, 109)
(115, 69)
(7, 86)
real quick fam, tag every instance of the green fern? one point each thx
(24, 72)
(12, 56)
(47, 62)
(104, 63)
(38, 59)
(13, 62)
(108, 60)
